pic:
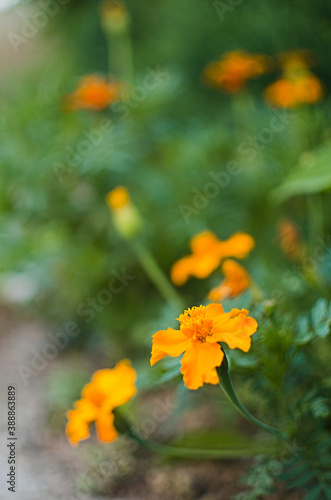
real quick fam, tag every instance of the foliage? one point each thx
(167, 143)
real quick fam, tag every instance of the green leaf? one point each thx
(314, 493)
(327, 492)
(320, 407)
(319, 312)
(294, 472)
(169, 375)
(325, 461)
(302, 479)
(323, 330)
(305, 334)
(311, 175)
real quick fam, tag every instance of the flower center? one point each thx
(195, 322)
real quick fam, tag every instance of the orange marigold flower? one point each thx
(308, 89)
(107, 390)
(232, 71)
(236, 281)
(201, 330)
(94, 92)
(207, 254)
(298, 85)
(296, 91)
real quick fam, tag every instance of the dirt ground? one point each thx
(48, 468)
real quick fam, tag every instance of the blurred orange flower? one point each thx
(107, 390)
(207, 254)
(290, 239)
(125, 215)
(236, 281)
(201, 330)
(118, 198)
(295, 91)
(94, 92)
(114, 15)
(232, 71)
(297, 85)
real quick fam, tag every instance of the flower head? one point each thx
(107, 390)
(118, 198)
(201, 330)
(114, 16)
(297, 85)
(232, 71)
(94, 92)
(236, 281)
(207, 254)
(295, 91)
(125, 215)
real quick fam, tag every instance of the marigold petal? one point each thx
(214, 310)
(205, 264)
(205, 241)
(168, 342)
(238, 245)
(77, 428)
(199, 364)
(94, 92)
(118, 198)
(236, 281)
(105, 427)
(236, 331)
(112, 387)
(181, 270)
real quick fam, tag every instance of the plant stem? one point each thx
(120, 56)
(174, 451)
(226, 384)
(156, 275)
(115, 20)
(125, 428)
(315, 217)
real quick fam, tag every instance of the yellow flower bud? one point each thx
(125, 215)
(114, 16)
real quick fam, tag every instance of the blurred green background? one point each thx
(58, 245)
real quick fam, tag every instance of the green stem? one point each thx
(120, 56)
(124, 427)
(243, 108)
(174, 451)
(156, 275)
(115, 20)
(315, 217)
(226, 384)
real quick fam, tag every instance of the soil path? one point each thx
(44, 469)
